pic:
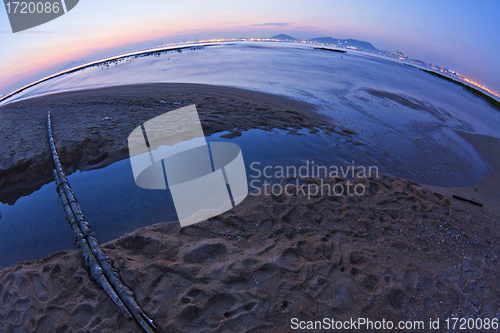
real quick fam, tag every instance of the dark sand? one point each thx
(402, 251)
(91, 127)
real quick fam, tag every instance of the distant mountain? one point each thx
(284, 37)
(345, 42)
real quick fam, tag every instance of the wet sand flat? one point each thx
(402, 251)
(92, 126)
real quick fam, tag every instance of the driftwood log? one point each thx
(96, 261)
(467, 200)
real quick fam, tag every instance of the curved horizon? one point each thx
(459, 36)
(169, 47)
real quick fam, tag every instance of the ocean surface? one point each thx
(406, 122)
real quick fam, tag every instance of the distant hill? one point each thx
(284, 37)
(345, 42)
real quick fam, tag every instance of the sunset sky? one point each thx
(460, 35)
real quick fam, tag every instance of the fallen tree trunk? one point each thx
(90, 261)
(96, 261)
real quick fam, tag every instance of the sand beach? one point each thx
(402, 251)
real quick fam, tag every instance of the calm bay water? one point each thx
(387, 103)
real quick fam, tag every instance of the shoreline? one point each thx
(487, 190)
(98, 139)
(104, 62)
(488, 97)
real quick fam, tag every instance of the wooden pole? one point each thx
(96, 261)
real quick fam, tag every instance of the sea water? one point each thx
(405, 119)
